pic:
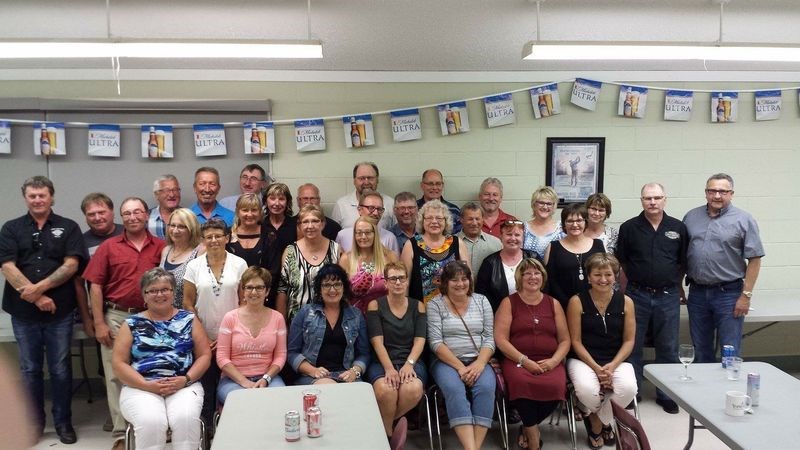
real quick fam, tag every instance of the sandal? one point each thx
(609, 438)
(595, 440)
(521, 439)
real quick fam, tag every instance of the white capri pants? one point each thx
(587, 388)
(151, 415)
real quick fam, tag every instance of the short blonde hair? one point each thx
(545, 193)
(434, 205)
(600, 261)
(525, 265)
(248, 201)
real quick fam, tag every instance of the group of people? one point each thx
(189, 304)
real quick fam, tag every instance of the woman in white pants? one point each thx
(602, 326)
(158, 355)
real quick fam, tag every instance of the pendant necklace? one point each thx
(216, 286)
(579, 257)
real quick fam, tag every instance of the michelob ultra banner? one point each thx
(103, 140)
(632, 101)
(406, 125)
(209, 139)
(724, 106)
(585, 93)
(545, 101)
(157, 141)
(49, 139)
(259, 137)
(358, 131)
(5, 137)
(768, 105)
(309, 135)
(499, 110)
(678, 105)
(453, 118)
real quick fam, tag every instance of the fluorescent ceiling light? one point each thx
(160, 49)
(561, 51)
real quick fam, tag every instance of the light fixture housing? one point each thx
(654, 51)
(132, 48)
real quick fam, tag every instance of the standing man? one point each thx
(252, 180)
(652, 250)
(168, 196)
(405, 211)
(114, 273)
(308, 194)
(432, 186)
(480, 243)
(206, 187)
(371, 206)
(723, 259)
(40, 254)
(365, 177)
(491, 196)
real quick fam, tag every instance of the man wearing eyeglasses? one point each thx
(40, 254)
(114, 273)
(308, 194)
(723, 259)
(365, 177)
(167, 192)
(253, 179)
(371, 206)
(405, 211)
(651, 248)
(432, 186)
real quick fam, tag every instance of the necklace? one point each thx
(532, 309)
(579, 257)
(216, 285)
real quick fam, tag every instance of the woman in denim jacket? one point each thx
(328, 340)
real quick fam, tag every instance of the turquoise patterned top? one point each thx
(162, 348)
(538, 244)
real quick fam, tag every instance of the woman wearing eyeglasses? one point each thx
(183, 245)
(599, 208)
(542, 228)
(364, 264)
(251, 346)
(434, 245)
(565, 258)
(328, 337)
(397, 327)
(496, 278)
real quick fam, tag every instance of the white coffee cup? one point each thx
(737, 403)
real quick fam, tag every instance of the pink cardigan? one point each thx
(252, 356)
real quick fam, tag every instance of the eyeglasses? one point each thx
(531, 274)
(310, 222)
(434, 219)
(214, 237)
(656, 198)
(603, 210)
(177, 226)
(405, 208)
(574, 221)
(363, 179)
(260, 288)
(722, 192)
(335, 286)
(135, 212)
(163, 291)
(248, 178)
(170, 191)
(433, 183)
(365, 233)
(372, 209)
(307, 199)
(397, 279)
(545, 204)
(37, 243)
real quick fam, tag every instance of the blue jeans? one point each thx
(227, 385)
(710, 312)
(663, 307)
(460, 411)
(51, 339)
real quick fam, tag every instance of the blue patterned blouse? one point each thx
(162, 348)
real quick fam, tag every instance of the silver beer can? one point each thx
(753, 387)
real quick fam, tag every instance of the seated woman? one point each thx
(397, 326)
(328, 337)
(158, 356)
(460, 325)
(251, 344)
(365, 262)
(496, 278)
(531, 330)
(602, 326)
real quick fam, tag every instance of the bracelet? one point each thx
(521, 360)
(267, 378)
(356, 371)
(410, 361)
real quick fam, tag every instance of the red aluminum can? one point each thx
(292, 426)
(314, 423)
(309, 400)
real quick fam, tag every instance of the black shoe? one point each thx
(638, 398)
(669, 406)
(66, 433)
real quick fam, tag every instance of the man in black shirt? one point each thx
(40, 253)
(652, 250)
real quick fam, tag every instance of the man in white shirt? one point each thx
(371, 206)
(365, 177)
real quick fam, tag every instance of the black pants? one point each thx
(534, 412)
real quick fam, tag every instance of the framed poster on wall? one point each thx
(575, 167)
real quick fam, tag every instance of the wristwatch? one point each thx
(189, 380)
(410, 361)
(267, 378)
(748, 294)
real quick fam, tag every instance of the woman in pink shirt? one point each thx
(251, 346)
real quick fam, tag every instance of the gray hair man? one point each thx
(167, 192)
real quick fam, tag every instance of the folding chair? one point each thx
(630, 433)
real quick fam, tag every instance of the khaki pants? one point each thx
(114, 320)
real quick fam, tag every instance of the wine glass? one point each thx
(686, 356)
